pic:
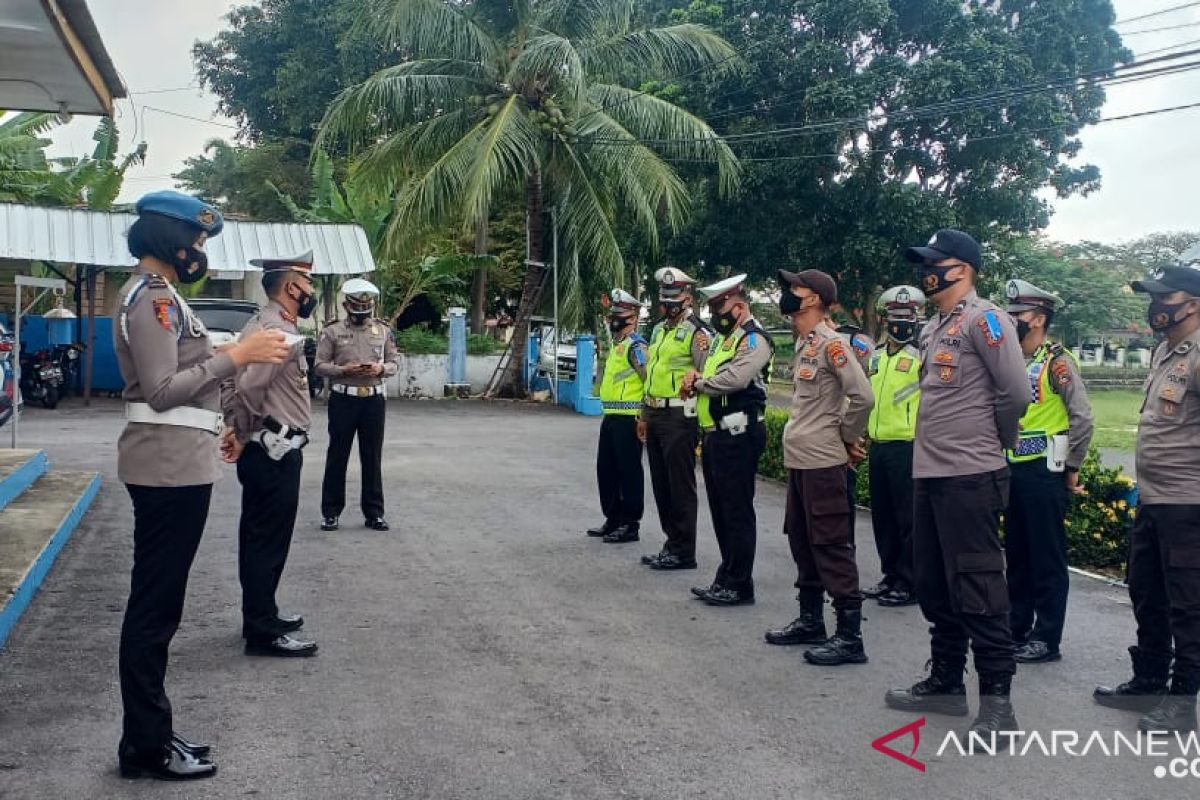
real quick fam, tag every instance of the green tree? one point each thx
(849, 120)
(248, 179)
(280, 63)
(493, 96)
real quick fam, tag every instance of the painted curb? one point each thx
(27, 588)
(23, 477)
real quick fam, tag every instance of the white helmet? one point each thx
(360, 297)
(901, 301)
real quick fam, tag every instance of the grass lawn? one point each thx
(1117, 414)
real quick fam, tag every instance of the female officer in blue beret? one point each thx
(167, 458)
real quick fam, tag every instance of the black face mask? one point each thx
(1022, 329)
(933, 279)
(789, 304)
(1164, 316)
(192, 267)
(902, 330)
(308, 304)
(725, 323)
(359, 317)
(617, 324)
(672, 309)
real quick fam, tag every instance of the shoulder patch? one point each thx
(701, 339)
(167, 313)
(749, 341)
(989, 323)
(1061, 371)
(837, 353)
(860, 346)
(904, 364)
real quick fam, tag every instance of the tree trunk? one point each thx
(479, 282)
(511, 384)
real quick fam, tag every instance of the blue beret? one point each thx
(185, 207)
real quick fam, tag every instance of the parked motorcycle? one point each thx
(7, 393)
(41, 378)
(67, 358)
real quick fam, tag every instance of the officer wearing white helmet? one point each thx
(895, 372)
(619, 473)
(355, 356)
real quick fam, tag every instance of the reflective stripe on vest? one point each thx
(622, 388)
(670, 358)
(1046, 416)
(895, 382)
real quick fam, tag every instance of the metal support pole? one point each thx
(557, 329)
(90, 344)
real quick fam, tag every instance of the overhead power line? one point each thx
(1164, 28)
(1171, 10)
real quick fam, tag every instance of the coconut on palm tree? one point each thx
(533, 94)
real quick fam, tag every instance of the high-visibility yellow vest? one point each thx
(670, 357)
(724, 348)
(622, 389)
(895, 382)
(1047, 415)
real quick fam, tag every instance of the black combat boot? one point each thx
(1177, 710)
(942, 692)
(808, 628)
(1147, 687)
(846, 644)
(995, 708)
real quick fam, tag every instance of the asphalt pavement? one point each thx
(485, 648)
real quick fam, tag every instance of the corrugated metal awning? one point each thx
(75, 236)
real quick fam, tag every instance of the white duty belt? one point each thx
(180, 417)
(357, 391)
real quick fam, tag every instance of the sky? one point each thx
(1150, 166)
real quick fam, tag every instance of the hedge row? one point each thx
(1098, 523)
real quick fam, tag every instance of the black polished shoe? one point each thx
(1035, 652)
(702, 591)
(329, 524)
(602, 530)
(622, 534)
(192, 748)
(282, 647)
(871, 592)
(667, 561)
(1147, 687)
(648, 560)
(287, 623)
(895, 598)
(171, 763)
(377, 524)
(728, 597)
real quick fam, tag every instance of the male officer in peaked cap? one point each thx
(895, 374)
(973, 392)
(1164, 551)
(731, 394)
(679, 344)
(356, 355)
(1055, 433)
(268, 417)
(619, 473)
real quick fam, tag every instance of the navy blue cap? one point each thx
(178, 205)
(948, 243)
(1171, 279)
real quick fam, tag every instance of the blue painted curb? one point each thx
(28, 586)
(24, 477)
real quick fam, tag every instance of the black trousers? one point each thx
(1164, 583)
(730, 464)
(671, 440)
(852, 498)
(818, 529)
(890, 473)
(270, 498)
(1035, 539)
(619, 474)
(167, 525)
(959, 566)
(349, 417)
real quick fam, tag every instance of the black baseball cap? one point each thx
(948, 243)
(1171, 278)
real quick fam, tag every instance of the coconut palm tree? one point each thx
(498, 95)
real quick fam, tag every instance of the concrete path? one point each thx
(486, 649)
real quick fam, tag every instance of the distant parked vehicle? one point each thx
(41, 379)
(223, 318)
(8, 391)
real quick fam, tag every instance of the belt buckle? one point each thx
(364, 391)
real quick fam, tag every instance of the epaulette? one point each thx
(1056, 349)
(701, 325)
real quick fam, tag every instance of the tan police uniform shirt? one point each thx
(279, 391)
(343, 344)
(974, 390)
(166, 361)
(1067, 383)
(831, 401)
(745, 368)
(1168, 443)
